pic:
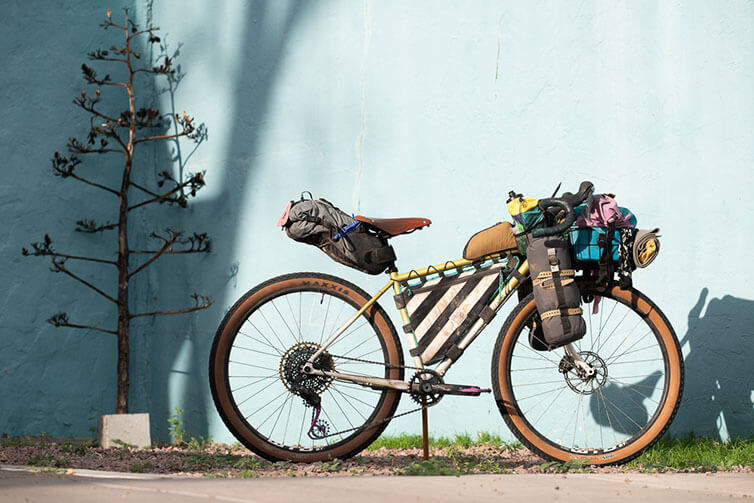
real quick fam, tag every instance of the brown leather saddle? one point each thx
(394, 226)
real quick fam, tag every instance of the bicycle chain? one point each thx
(365, 426)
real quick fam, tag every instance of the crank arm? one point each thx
(459, 389)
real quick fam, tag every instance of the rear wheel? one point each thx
(610, 417)
(258, 385)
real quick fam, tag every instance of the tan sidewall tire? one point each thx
(224, 340)
(524, 432)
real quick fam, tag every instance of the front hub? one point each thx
(580, 381)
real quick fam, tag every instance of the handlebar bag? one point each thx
(340, 236)
(555, 293)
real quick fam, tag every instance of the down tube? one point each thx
(478, 326)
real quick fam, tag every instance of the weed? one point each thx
(74, 448)
(120, 444)
(175, 427)
(200, 444)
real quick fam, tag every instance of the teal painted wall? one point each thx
(386, 109)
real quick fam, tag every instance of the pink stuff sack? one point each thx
(603, 211)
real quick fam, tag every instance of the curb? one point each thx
(93, 474)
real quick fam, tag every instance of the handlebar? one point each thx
(560, 228)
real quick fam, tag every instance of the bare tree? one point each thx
(121, 134)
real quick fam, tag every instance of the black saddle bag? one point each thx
(344, 239)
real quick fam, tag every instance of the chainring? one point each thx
(425, 378)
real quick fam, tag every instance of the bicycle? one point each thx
(295, 382)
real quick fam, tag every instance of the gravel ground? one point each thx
(219, 460)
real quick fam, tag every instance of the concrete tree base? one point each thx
(117, 430)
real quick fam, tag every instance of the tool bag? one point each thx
(555, 293)
(320, 223)
(442, 307)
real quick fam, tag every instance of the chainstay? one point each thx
(373, 423)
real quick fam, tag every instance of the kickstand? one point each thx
(425, 430)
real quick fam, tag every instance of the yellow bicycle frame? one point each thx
(395, 281)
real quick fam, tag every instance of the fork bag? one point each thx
(555, 293)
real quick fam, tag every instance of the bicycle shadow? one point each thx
(626, 403)
(719, 389)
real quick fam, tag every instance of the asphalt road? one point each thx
(26, 486)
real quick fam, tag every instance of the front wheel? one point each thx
(262, 394)
(610, 417)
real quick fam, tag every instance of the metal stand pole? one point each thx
(425, 430)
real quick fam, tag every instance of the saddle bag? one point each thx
(555, 293)
(340, 236)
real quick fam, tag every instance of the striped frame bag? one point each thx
(443, 306)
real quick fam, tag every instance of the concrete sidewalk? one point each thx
(85, 486)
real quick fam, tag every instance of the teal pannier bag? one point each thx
(585, 242)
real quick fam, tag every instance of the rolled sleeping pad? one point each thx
(646, 247)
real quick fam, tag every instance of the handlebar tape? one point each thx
(570, 217)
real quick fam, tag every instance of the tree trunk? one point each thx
(124, 315)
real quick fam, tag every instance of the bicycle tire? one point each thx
(247, 339)
(544, 425)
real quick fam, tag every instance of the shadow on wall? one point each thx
(179, 357)
(718, 396)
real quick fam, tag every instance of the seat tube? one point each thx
(410, 337)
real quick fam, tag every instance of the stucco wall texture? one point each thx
(389, 108)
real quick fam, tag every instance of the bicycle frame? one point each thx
(396, 279)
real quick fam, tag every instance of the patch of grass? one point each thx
(695, 454)
(217, 475)
(247, 474)
(429, 468)
(464, 441)
(48, 460)
(141, 467)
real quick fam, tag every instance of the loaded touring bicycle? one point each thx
(308, 367)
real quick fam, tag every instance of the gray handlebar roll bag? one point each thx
(555, 293)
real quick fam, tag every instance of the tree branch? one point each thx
(202, 302)
(44, 249)
(63, 167)
(168, 243)
(61, 320)
(91, 227)
(58, 265)
(161, 198)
